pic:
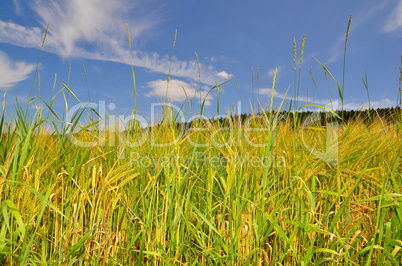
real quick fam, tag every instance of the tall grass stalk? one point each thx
(329, 89)
(199, 79)
(344, 61)
(400, 82)
(300, 66)
(294, 69)
(252, 89)
(170, 63)
(132, 69)
(86, 81)
(36, 70)
(365, 82)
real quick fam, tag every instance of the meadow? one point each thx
(269, 189)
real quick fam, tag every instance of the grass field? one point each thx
(224, 193)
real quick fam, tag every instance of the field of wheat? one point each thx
(272, 188)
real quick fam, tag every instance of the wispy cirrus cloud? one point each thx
(17, 6)
(394, 20)
(76, 24)
(13, 72)
(18, 35)
(360, 17)
(96, 29)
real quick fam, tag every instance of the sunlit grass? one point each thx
(220, 192)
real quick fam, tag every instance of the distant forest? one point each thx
(392, 114)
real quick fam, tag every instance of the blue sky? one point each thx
(229, 37)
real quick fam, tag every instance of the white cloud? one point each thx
(224, 75)
(394, 21)
(384, 103)
(13, 72)
(216, 58)
(268, 91)
(95, 29)
(176, 92)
